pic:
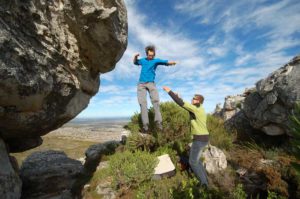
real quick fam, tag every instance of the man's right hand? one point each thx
(135, 58)
(167, 89)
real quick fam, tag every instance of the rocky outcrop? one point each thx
(10, 183)
(232, 105)
(267, 108)
(51, 55)
(49, 174)
(93, 157)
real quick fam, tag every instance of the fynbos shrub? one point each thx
(295, 131)
(219, 136)
(131, 169)
(175, 124)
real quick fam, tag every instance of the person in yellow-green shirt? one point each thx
(199, 132)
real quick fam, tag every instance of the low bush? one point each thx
(295, 131)
(274, 195)
(239, 193)
(178, 187)
(128, 170)
(219, 136)
(136, 142)
(175, 126)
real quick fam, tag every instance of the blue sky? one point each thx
(222, 47)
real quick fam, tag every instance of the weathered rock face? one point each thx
(93, 157)
(232, 105)
(51, 55)
(268, 108)
(49, 174)
(10, 183)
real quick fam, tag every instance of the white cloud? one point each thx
(278, 22)
(242, 59)
(217, 51)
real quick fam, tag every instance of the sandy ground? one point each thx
(94, 132)
(74, 139)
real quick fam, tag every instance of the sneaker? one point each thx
(145, 131)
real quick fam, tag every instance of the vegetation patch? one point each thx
(131, 168)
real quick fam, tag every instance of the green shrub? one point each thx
(131, 169)
(239, 193)
(295, 131)
(136, 141)
(156, 189)
(219, 136)
(274, 195)
(176, 127)
(178, 187)
(175, 124)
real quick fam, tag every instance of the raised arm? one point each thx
(135, 59)
(175, 97)
(189, 107)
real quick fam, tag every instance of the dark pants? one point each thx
(195, 162)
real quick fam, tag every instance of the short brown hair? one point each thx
(150, 48)
(199, 97)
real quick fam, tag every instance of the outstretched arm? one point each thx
(189, 107)
(175, 97)
(135, 59)
(165, 62)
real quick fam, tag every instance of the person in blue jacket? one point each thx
(147, 84)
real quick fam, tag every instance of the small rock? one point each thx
(82, 160)
(105, 190)
(164, 168)
(102, 165)
(241, 171)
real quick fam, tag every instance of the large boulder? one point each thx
(51, 55)
(214, 159)
(49, 174)
(10, 183)
(52, 175)
(268, 108)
